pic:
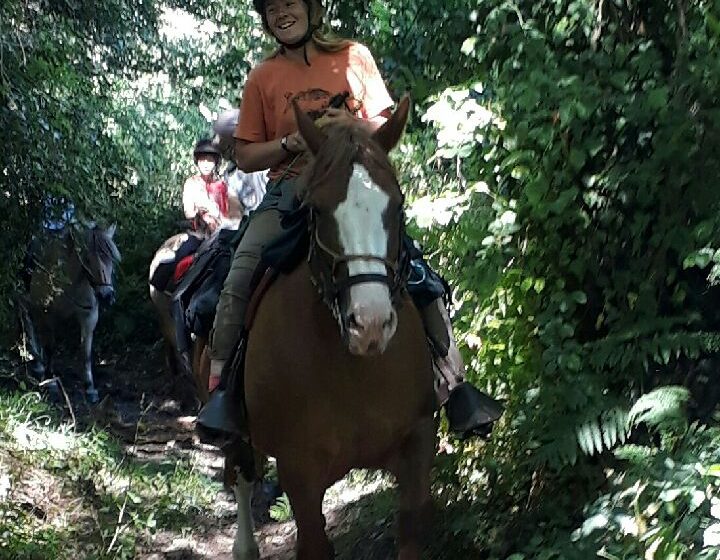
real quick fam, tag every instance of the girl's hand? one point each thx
(296, 143)
(336, 116)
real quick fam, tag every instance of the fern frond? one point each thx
(661, 407)
(604, 432)
(558, 452)
(636, 454)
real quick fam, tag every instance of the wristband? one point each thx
(284, 146)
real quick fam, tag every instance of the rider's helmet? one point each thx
(206, 146)
(316, 12)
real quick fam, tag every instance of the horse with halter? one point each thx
(71, 276)
(338, 373)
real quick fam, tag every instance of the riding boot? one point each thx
(218, 420)
(469, 411)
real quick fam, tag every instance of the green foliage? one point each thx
(572, 259)
(661, 502)
(101, 106)
(662, 409)
(281, 510)
(579, 229)
(128, 500)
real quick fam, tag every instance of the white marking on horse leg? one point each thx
(362, 232)
(244, 547)
(31, 341)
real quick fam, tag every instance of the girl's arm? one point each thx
(256, 156)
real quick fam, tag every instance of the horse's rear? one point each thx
(179, 366)
(162, 300)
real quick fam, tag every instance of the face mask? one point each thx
(206, 167)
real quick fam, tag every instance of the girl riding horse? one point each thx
(310, 68)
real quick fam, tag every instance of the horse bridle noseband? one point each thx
(324, 274)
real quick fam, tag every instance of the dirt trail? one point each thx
(141, 407)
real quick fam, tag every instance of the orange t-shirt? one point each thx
(266, 111)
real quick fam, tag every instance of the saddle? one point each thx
(198, 290)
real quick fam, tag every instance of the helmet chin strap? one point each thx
(300, 43)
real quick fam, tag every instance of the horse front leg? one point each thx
(88, 322)
(411, 467)
(305, 486)
(244, 547)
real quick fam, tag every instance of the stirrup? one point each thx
(471, 412)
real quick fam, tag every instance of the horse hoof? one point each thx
(251, 554)
(92, 396)
(53, 389)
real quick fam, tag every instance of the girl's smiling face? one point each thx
(287, 19)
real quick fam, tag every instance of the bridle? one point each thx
(86, 271)
(324, 262)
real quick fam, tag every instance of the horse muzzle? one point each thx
(105, 295)
(369, 331)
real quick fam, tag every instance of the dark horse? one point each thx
(346, 382)
(72, 274)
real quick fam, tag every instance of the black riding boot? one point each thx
(223, 416)
(470, 412)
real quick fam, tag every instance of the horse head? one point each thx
(356, 209)
(98, 255)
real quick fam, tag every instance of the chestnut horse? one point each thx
(344, 379)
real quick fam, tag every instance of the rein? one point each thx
(89, 276)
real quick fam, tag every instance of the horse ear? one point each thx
(111, 231)
(312, 135)
(389, 133)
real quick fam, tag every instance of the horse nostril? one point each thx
(352, 321)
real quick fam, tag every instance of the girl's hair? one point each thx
(324, 39)
(327, 41)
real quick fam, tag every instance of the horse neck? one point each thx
(80, 290)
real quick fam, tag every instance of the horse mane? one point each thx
(345, 145)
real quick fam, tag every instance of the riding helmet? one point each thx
(206, 146)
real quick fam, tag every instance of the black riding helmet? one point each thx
(315, 19)
(206, 146)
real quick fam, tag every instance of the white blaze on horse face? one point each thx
(371, 317)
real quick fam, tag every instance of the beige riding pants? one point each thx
(264, 226)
